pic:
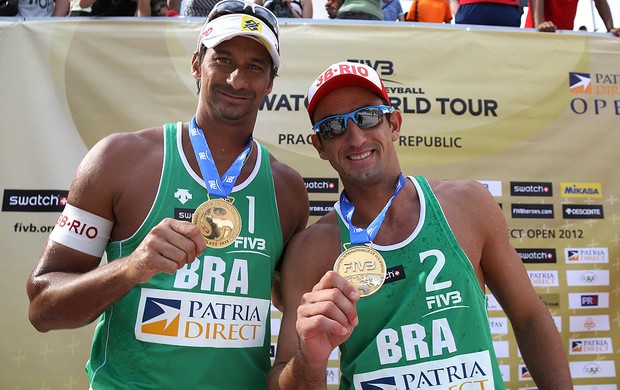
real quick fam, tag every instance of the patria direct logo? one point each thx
(161, 316)
(594, 83)
(579, 82)
(596, 93)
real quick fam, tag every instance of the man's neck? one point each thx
(369, 200)
(225, 146)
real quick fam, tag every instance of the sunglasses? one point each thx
(227, 7)
(364, 118)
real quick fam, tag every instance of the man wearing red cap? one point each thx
(395, 276)
(193, 218)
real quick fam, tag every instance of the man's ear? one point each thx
(396, 121)
(318, 145)
(270, 87)
(196, 71)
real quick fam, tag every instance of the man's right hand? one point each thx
(326, 317)
(169, 246)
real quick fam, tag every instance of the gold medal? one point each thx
(363, 267)
(219, 222)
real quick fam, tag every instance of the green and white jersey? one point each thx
(427, 327)
(208, 325)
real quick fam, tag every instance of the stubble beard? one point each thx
(230, 112)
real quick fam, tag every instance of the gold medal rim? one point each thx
(366, 249)
(236, 220)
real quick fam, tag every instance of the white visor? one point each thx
(226, 27)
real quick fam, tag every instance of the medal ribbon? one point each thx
(360, 235)
(215, 185)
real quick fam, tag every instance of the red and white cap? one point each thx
(227, 27)
(345, 74)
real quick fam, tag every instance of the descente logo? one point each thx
(582, 211)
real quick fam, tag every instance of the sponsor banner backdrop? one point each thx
(477, 104)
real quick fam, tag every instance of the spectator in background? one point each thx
(429, 11)
(77, 10)
(392, 10)
(487, 12)
(117, 7)
(42, 9)
(360, 10)
(162, 9)
(289, 8)
(198, 7)
(8, 8)
(552, 15)
(331, 7)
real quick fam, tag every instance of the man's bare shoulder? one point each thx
(292, 198)
(322, 237)
(449, 191)
(283, 171)
(119, 163)
(313, 251)
(127, 145)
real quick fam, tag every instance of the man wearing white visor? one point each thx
(193, 218)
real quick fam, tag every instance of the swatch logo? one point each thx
(580, 82)
(537, 256)
(161, 316)
(34, 200)
(394, 273)
(321, 185)
(522, 188)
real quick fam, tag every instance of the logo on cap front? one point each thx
(250, 24)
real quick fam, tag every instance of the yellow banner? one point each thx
(533, 116)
